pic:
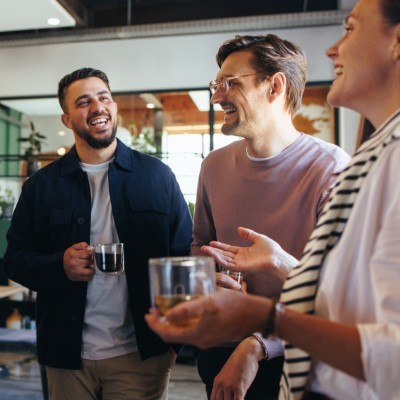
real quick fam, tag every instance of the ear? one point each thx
(396, 47)
(278, 84)
(65, 120)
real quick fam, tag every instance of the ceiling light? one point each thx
(61, 151)
(53, 21)
(36, 15)
(202, 100)
(151, 100)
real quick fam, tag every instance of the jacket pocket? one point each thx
(53, 217)
(148, 206)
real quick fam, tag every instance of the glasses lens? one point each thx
(213, 86)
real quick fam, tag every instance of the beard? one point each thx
(230, 129)
(97, 143)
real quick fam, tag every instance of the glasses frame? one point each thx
(223, 83)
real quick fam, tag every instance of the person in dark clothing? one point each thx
(92, 336)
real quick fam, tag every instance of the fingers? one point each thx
(158, 325)
(222, 257)
(247, 233)
(189, 311)
(224, 246)
(169, 332)
(82, 246)
(218, 393)
(80, 253)
(225, 281)
(78, 260)
(218, 255)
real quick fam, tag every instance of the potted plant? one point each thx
(7, 201)
(35, 141)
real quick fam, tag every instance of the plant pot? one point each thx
(7, 211)
(32, 167)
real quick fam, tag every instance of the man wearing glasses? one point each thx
(274, 181)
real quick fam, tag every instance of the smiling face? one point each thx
(244, 104)
(91, 113)
(366, 75)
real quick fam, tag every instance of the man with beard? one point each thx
(91, 334)
(274, 181)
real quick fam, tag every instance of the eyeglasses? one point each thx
(225, 83)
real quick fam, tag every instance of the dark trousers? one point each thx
(265, 385)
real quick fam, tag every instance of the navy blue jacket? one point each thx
(53, 213)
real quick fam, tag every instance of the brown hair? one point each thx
(365, 130)
(391, 11)
(271, 54)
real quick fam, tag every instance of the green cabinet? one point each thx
(4, 225)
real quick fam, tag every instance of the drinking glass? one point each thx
(236, 275)
(174, 280)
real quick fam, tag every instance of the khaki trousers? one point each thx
(125, 377)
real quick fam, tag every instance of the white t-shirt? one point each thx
(108, 329)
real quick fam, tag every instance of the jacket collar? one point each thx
(123, 159)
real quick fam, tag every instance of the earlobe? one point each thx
(396, 49)
(65, 120)
(278, 83)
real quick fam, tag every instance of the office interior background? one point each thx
(157, 53)
(159, 56)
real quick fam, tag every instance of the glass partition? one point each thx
(177, 126)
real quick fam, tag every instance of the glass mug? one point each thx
(174, 280)
(109, 258)
(236, 275)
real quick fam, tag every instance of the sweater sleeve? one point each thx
(274, 346)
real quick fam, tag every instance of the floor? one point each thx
(20, 380)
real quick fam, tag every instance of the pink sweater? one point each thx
(280, 197)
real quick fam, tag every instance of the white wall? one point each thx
(164, 63)
(146, 63)
(348, 127)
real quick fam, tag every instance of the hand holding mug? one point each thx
(78, 262)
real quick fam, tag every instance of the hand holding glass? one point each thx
(174, 280)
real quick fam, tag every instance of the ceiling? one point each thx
(84, 20)
(114, 13)
(93, 19)
(108, 13)
(28, 15)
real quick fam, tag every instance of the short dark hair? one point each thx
(82, 73)
(391, 11)
(271, 54)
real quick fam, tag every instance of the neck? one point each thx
(271, 143)
(378, 107)
(89, 155)
(378, 118)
